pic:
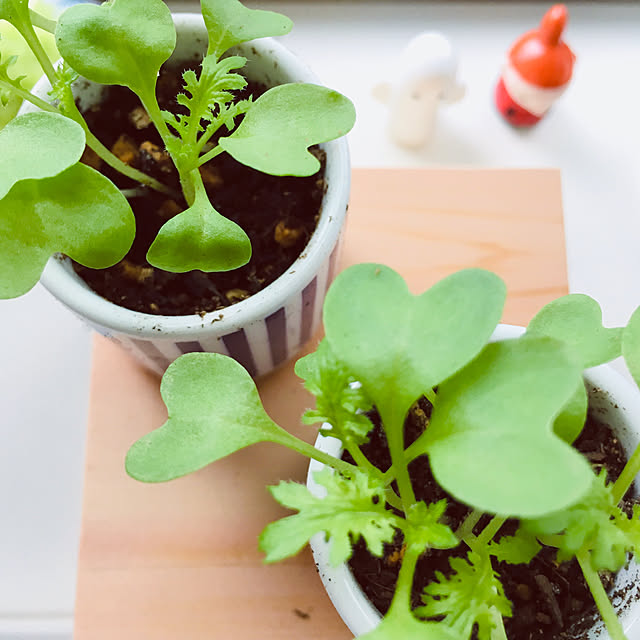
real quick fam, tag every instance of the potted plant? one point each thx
(497, 442)
(66, 206)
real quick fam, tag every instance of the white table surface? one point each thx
(592, 135)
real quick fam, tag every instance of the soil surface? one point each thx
(279, 214)
(550, 601)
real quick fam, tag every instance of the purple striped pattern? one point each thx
(261, 346)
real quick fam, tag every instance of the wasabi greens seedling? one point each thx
(50, 202)
(498, 439)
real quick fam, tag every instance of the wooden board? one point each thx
(179, 561)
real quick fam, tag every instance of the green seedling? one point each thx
(125, 42)
(502, 412)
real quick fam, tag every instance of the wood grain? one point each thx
(179, 561)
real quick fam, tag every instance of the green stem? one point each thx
(628, 475)
(125, 169)
(486, 535)
(40, 21)
(467, 525)
(393, 421)
(600, 596)
(498, 632)
(29, 97)
(95, 144)
(392, 498)
(402, 597)
(150, 103)
(31, 38)
(304, 448)
(210, 155)
(431, 396)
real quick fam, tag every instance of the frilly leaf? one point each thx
(340, 400)
(353, 508)
(520, 548)
(472, 594)
(423, 529)
(594, 524)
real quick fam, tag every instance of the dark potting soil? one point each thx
(550, 601)
(279, 214)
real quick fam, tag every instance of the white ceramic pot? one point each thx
(611, 397)
(271, 326)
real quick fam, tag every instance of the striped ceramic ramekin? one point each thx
(271, 326)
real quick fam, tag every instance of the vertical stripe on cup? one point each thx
(277, 330)
(152, 352)
(189, 347)
(308, 307)
(238, 347)
(333, 263)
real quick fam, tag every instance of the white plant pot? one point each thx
(611, 397)
(271, 326)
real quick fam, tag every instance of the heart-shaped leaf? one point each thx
(229, 23)
(570, 421)
(490, 438)
(200, 238)
(399, 345)
(123, 42)
(78, 212)
(631, 346)
(214, 410)
(283, 123)
(576, 319)
(38, 145)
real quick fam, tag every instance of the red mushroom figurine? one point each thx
(537, 71)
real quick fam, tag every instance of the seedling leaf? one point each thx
(214, 410)
(400, 624)
(15, 12)
(490, 431)
(423, 529)
(283, 123)
(576, 319)
(122, 42)
(38, 145)
(211, 90)
(352, 508)
(229, 23)
(200, 238)
(399, 345)
(594, 524)
(340, 400)
(473, 594)
(520, 548)
(78, 212)
(631, 346)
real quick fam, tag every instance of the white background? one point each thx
(592, 134)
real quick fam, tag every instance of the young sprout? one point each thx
(502, 412)
(126, 42)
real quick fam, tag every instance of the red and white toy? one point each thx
(538, 70)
